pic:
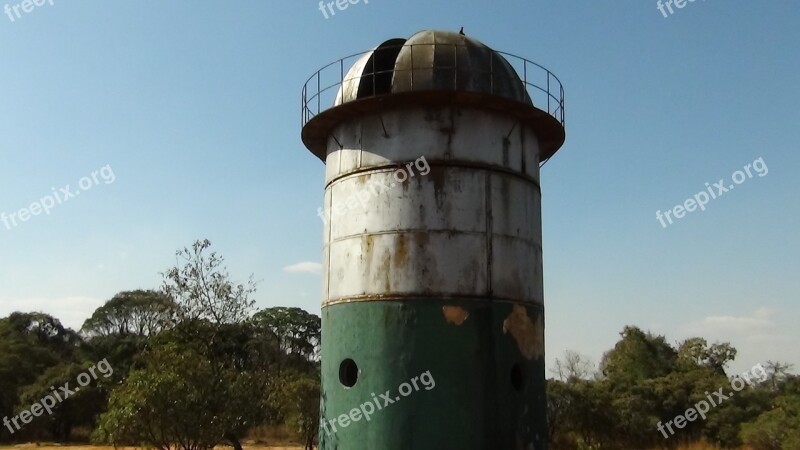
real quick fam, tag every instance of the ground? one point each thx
(48, 446)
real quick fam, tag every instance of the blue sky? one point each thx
(194, 106)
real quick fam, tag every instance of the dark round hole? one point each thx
(518, 377)
(348, 373)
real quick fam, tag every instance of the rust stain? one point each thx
(455, 314)
(528, 334)
(367, 244)
(401, 252)
(422, 238)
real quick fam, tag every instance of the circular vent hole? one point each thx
(518, 377)
(348, 373)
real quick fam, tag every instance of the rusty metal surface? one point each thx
(437, 60)
(471, 226)
(440, 271)
(470, 348)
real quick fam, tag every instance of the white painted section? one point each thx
(471, 227)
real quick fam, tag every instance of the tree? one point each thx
(202, 288)
(638, 356)
(777, 372)
(138, 313)
(298, 332)
(80, 408)
(197, 371)
(30, 344)
(300, 404)
(178, 401)
(45, 330)
(580, 414)
(573, 366)
(120, 329)
(778, 429)
(696, 352)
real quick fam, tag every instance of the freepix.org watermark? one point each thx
(341, 5)
(361, 198)
(665, 6)
(57, 396)
(368, 408)
(26, 6)
(715, 399)
(57, 197)
(712, 192)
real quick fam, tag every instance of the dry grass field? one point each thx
(50, 446)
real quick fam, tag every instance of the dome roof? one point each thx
(433, 69)
(432, 61)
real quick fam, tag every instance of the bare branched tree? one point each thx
(573, 366)
(777, 372)
(201, 287)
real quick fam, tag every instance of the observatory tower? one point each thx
(433, 304)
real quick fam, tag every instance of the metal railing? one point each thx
(325, 88)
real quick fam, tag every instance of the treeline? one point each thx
(192, 365)
(644, 383)
(189, 366)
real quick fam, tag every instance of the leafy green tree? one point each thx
(680, 390)
(30, 344)
(204, 362)
(778, 429)
(138, 313)
(630, 370)
(696, 352)
(300, 398)
(78, 408)
(180, 400)
(297, 332)
(45, 331)
(120, 329)
(581, 414)
(638, 356)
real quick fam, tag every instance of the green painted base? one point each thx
(473, 374)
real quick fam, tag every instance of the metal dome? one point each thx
(432, 60)
(433, 68)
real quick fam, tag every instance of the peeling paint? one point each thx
(455, 314)
(528, 334)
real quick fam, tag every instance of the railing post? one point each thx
(548, 92)
(341, 79)
(491, 73)
(525, 76)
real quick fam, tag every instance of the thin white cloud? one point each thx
(758, 336)
(759, 327)
(304, 267)
(759, 320)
